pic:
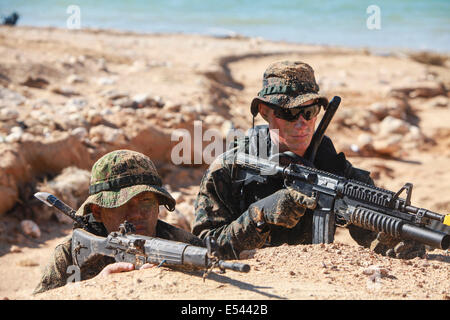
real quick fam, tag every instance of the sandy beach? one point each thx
(69, 96)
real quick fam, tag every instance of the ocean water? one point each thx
(403, 24)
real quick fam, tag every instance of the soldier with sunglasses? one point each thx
(241, 212)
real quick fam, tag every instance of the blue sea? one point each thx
(403, 24)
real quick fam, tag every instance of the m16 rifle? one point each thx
(344, 201)
(125, 246)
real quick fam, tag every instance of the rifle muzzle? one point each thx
(235, 266)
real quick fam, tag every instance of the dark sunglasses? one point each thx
(292, 114)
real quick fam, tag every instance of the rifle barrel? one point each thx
(428, 214)
(235, 266)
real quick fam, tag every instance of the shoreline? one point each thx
(376, 50)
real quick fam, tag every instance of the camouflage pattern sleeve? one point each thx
(217, 214)
(55, 273)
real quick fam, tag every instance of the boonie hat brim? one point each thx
(114, 199)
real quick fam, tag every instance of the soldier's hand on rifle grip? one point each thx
(283, 208)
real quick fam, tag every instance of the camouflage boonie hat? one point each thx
(121, 175)
(288, 84)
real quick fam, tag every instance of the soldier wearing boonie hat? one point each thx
(233, 207)
(121, 175)
(287, 85)
(120, 181)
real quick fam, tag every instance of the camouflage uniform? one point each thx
(227, 203)
(223, 207)
(116, 178)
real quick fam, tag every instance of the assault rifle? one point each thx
(345, 201)
(125, 246)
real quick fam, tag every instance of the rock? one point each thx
(213, 120)
(8, 114)
(106, 112)
(365, 140)
(391, 125)
(14, 137)
(101, 65)
(126, 103)
(104, 134)
(379, 110)
(44, 118)
(145, 100)
(80, 132)
(73, 121)
(70, 186)
(30, 228)
(141, 98)
(15, 249)
(397, 108)
(26, 137)
(172, 107)
(376, 270)
(138, 65)
(414, 134)
(426, 89)
(16, 129)
(76, 104)
(10, 98)
(113, 94)
(38, 82)
(94, 117)
(358, 117)
(72, 79)
(389, 145)
(147, 113)
(106, 81)
(64, 91)
(438, 102)
(40, 103)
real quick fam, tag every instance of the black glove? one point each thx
(282, 208)
(402, 249)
